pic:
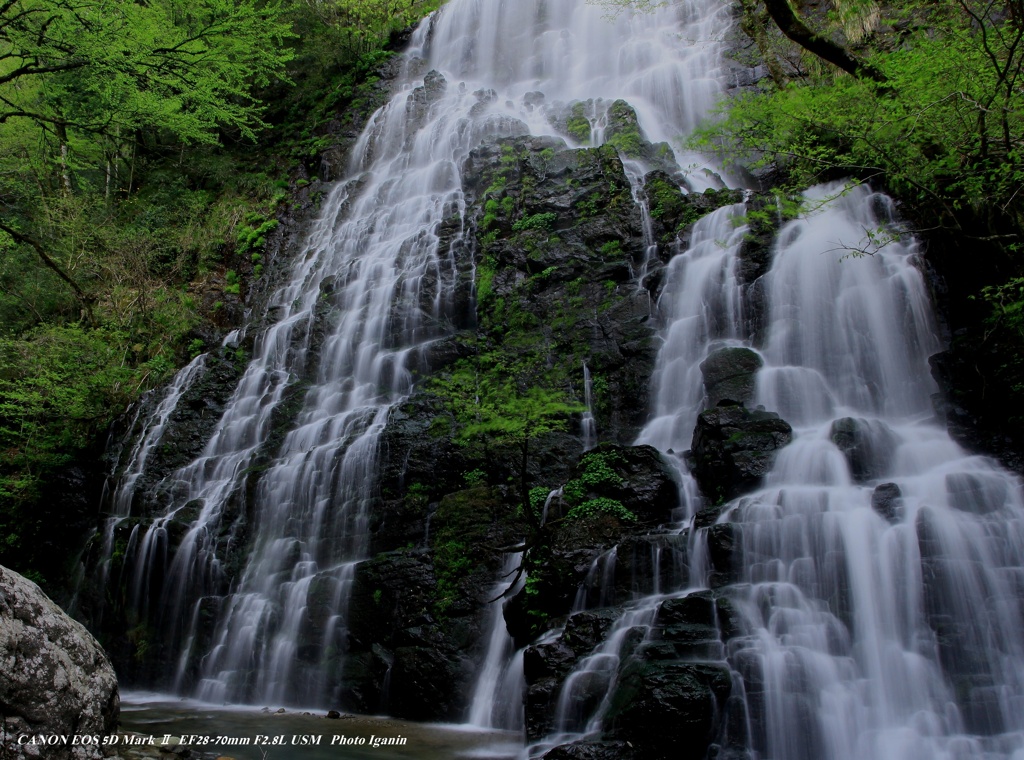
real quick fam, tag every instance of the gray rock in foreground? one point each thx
(55, 679)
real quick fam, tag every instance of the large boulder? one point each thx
(57, 680)
(734, 447)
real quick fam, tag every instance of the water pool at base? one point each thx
(251, 733)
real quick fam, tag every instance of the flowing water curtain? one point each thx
(878, 629)
(373, 254)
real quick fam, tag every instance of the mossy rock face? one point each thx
(395, 638)
(638, 477)
(734, 448)
(558, 237)
(673, 211)
(418, 464)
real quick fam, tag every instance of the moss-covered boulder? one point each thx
(673, 211)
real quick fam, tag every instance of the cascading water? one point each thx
(881, 581)
(588, 425)
(149, 437)
(893, 631)
(371, 290)
(497, 700)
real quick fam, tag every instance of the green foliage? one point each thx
(538, 497)
(612, 250)
(597, 473)
(944, 131)
(624, 130)
(602, 505)
(60, 387)
(251, 238)
(535, 222)
(122, 156)
(100, 66)
(233, 286)
(1007, 305)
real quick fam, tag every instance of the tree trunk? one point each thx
(65, 151)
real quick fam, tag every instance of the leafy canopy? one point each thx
(106, 65)
(944, 131)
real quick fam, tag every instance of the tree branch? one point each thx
(83, 298)
(794, 28)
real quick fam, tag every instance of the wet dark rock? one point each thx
(868, 446)
(734, 447)
(730, 376)
(887, 501)
(418, 103)
(763, 221)
(395, 638)
(660, 707)
(643, 564)
(708, 516)
(722, 545)
(57, 680)
(693, 609)
(418, 463)
(545, 666)
(755, 257)
(585, 630)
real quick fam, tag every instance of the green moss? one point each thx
(541, 221)
(578, 125)
(602, 505)
(628, 143)
(612, 250)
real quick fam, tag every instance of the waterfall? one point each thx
(372, 288)
(152, 430)
(497, 700)
(588, 425)
(872, 633)
(875, 633)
